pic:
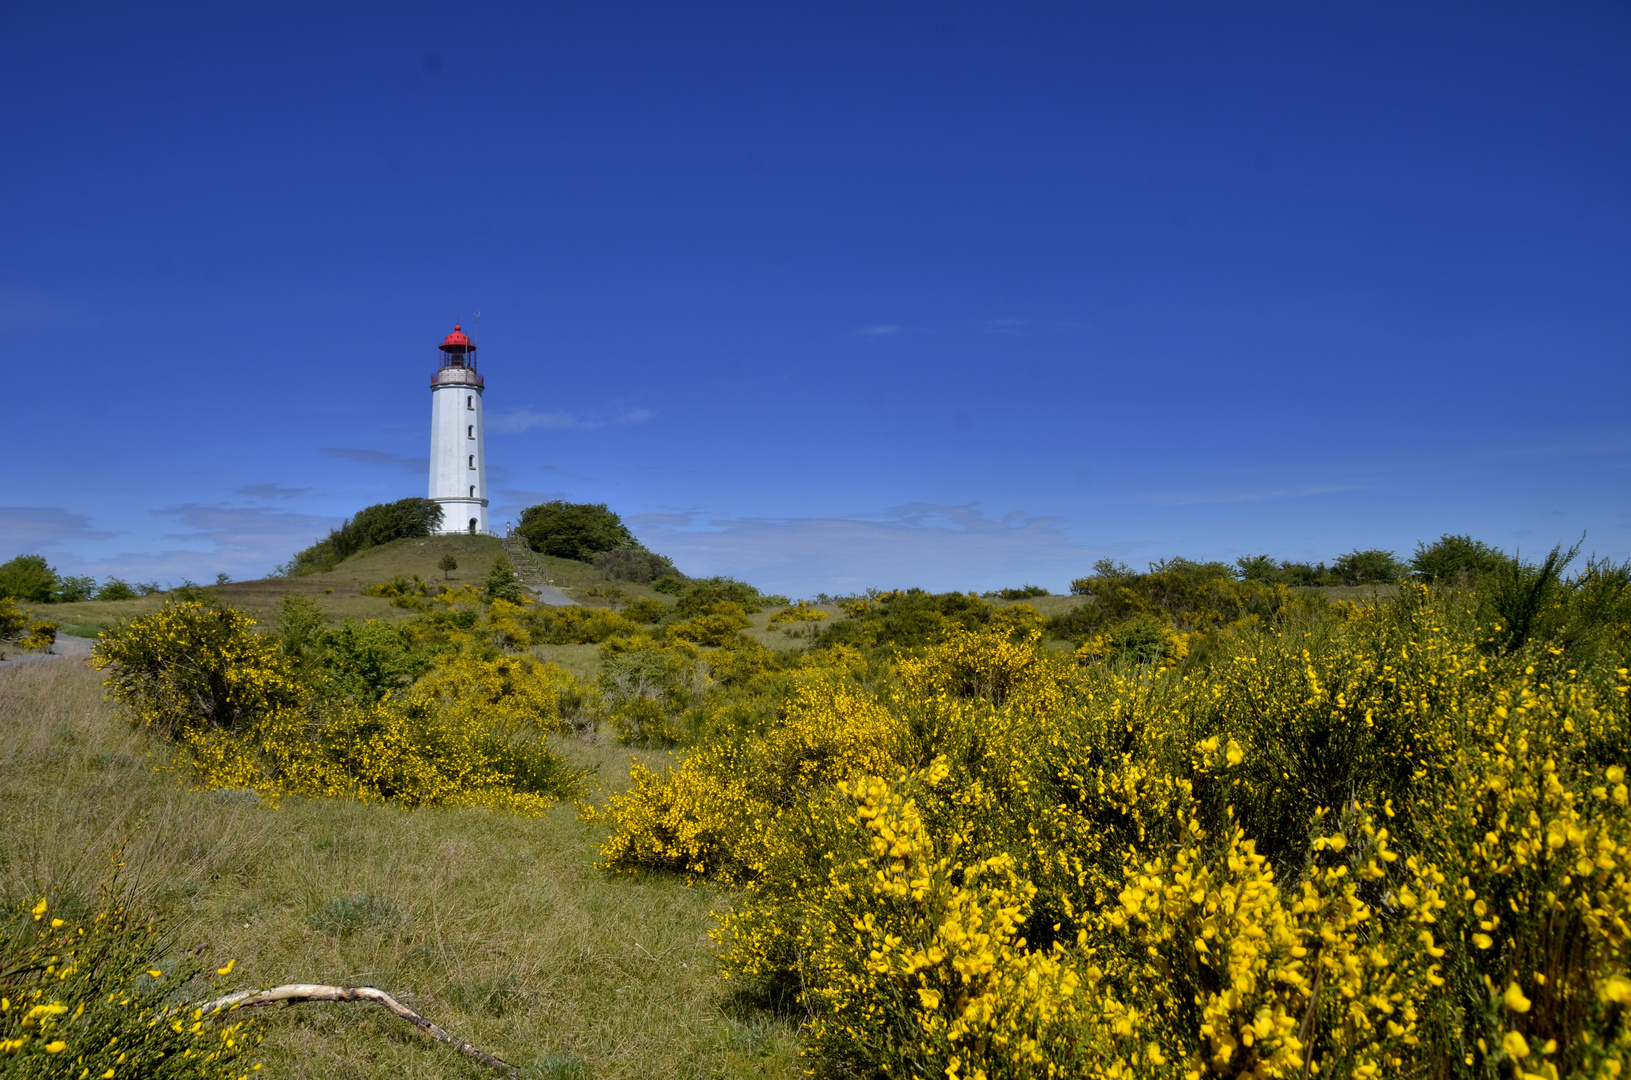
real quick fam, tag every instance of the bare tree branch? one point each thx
(293, 992)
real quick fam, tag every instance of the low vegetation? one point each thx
(1195, 820)
(371, 527)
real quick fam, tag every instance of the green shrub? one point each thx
(574, 530)
(671, 586)
(1370, 567)
(645, 610)
(1024, 592)
(117, 589)
(636, 564)
(503, 583)
(905, 619)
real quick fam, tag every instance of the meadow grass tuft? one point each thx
(497, 927)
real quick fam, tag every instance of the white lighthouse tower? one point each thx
(458, 462)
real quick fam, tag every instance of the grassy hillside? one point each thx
(496, 927)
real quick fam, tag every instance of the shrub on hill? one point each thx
(636, 564)
(372, 526)
(574, 530)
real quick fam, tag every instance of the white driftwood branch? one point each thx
(293, 992)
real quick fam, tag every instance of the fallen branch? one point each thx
(293, 992)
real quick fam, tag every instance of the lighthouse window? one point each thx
(472, 491)
(470, 432)
(470, 401)
(472, 461)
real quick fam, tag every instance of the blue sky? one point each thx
(822, 295)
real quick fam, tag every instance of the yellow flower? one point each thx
(1483, 941)
(228, 969)
(1515, 1045)
(1234, 754)
(1615, 988)
(56, 1046)
(39, 909)
(1514, 999)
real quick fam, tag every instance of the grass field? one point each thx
(498, 928)
(339, 590)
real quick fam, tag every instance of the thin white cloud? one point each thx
(924, 544)
(379, 457)
(23, 527)
(1006, 327)
(878, 331)
(1240, 495)
(271, 491)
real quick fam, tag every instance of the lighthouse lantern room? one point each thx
(458, 460)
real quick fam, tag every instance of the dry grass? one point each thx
(497, 927)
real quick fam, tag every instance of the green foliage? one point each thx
(670, 586)
(364, 660)
(645, 610)
(299, 624)
(503, 583)
(447, 564)
(28, 578)
(1369, 567)
(102, 994)
(702, 594)
(1024, 592)
(576, 625)
(372, 526)
(904, 619)
(636, 564)
(1189, 596)
(574, 530)
(117, 589)
(72, 589)
(1456, 560)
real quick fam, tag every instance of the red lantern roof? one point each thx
(456, 342)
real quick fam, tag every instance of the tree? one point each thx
(28, 578)
(447, 564)
(502, 582)
(574, 530)
(1457, 560)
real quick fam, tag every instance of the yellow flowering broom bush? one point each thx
(93, 995)
(470, 731)
(1361, 842)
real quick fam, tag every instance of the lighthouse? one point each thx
(458, 464)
